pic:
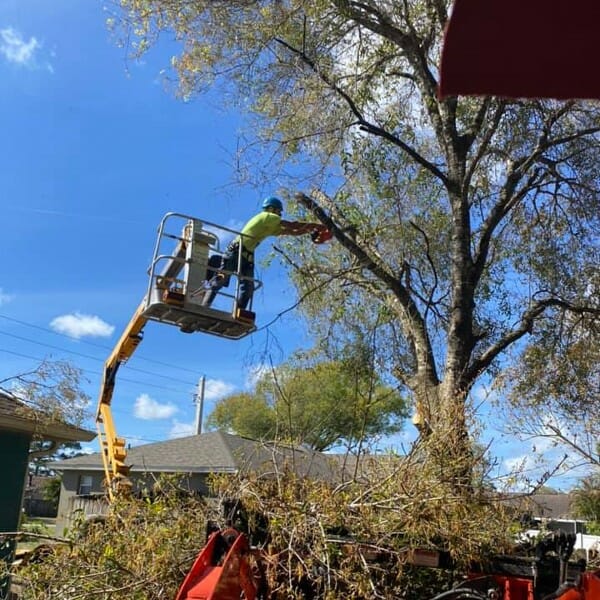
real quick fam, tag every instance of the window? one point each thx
(85, 485)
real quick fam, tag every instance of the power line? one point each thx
(103, 347)
(88, 356)
(126, 379)
(60, 213)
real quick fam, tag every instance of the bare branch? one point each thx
(361, 121)
(525, 326)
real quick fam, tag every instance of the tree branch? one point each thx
(492, 127)
(429, 301)
(508, 198)
(361, 121)
(526, 325)
(414, 326)
(558, 434)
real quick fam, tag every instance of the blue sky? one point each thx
(94, 152)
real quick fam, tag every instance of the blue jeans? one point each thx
(229, 262)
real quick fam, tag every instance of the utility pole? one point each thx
(200, 405)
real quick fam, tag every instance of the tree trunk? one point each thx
(440, 417)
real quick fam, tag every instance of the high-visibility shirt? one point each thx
(260, 227)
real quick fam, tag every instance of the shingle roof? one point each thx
(554, 506)
(214, 452)
(544, 506)
(17, 416)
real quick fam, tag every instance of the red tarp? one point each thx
(522, 49)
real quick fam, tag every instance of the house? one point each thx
(552, 511)
(195, 456)
(555, 512)
(19, 425)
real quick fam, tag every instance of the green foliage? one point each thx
(593, 527)
(35, 526)
(562, 370)
(248, 415)
(320, 539)
(353, 540)
(586, 499)
(315, 402)
(51, 490)
(141, 551)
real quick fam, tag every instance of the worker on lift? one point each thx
(266, 223)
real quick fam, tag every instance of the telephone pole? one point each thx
(200, 405)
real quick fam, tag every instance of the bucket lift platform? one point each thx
(178, 279)
(186, 256)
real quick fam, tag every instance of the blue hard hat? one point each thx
(272, 202)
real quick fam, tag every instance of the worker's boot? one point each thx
(246, 316)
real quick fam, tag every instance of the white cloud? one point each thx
(483, 393)
(78, 325)
(255, 373)
(181, 429)
(4, 298)
(216, 389)
(149, 409)
(517, 463)
(16, 50)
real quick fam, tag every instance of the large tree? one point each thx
(317, 403)
(465, 227)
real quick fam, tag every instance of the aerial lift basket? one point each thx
(178, 278)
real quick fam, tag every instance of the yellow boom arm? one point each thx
(112, 447)
(175, 298)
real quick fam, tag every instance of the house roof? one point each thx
(551, 506)
(544, 506)
(16, 416)
(214, 452)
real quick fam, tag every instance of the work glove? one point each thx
(320, 236)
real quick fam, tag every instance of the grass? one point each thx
(38, 526)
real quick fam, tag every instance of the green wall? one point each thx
(14, 453)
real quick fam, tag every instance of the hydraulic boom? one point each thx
(176, 287)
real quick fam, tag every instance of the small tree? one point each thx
(51, 490)
(315, 402)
